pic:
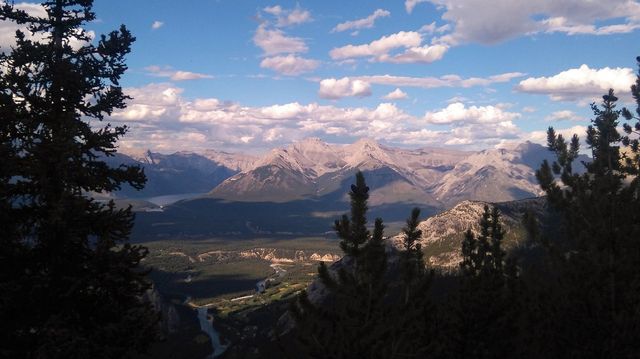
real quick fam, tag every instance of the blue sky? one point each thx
(251, 75)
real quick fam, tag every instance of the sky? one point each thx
(247, 76)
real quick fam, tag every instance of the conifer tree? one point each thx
(600, 211)
(350, 322)
(483, 320)
(412, 258)
(413, 312)
(70, 282)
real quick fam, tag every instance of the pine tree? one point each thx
(413, 312)
(350, 322)
(600, 211)
(412, 258)
(70, 281)
(483, 314)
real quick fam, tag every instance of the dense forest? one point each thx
(73, 286)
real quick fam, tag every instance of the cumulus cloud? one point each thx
(458, 112)
(410, 4)
(365, 23)
(425, 54)
(151, 103)
(338, 87)
(541, 136)
(474, 21)
(564, 115)
(275, 41)
(433, 28)
(175, 75)
(288, 17)
(344, 87)
(290, 65)
(156, 25)
(396, 94)
(378, 47)
(162, 119)
(576, 84)
(380, 50)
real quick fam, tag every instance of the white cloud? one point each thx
(275, 41)
(273, 10)
(458, 112)
(156, 25)
(162, 119)
(151, 103)
(425, 54)
(474, 21)
(290, 64)
(576, 84)
(396, 94)
(365, 23)
(175, 75)
(541, 136)
(344, 87)
(564, 25)
(410, 4)
(428, 29)
(529, 109)
(285, 17)
(378, 47)
(433, 28)
(564, 115)
(360, 85)
(443, 81)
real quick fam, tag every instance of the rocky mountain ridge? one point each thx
(435, 177)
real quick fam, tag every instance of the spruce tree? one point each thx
(412, 258)
(70, 281)
(483, 320)
(350, 320)
(413, 312)
(600, 210)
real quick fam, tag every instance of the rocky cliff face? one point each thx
(442, 234)
(435, 177)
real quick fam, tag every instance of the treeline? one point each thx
(573, 291)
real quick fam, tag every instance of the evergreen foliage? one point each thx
(598, 279)
(414, 313)
(71, 283)
(348, 324)
(483, 314)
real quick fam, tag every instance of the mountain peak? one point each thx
(365, 142)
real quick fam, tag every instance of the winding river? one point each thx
(206, 325)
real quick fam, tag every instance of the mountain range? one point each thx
(311, 179)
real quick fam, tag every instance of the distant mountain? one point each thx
(436, 177)
(496, 175)
(237, 162)
(301, 189)
(314, 169)
(177, 173)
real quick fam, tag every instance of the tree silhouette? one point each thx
(70, 281)
(600, 210)
(484, 310)
(349, 322)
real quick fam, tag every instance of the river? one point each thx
(206, 325)
(171, 198)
